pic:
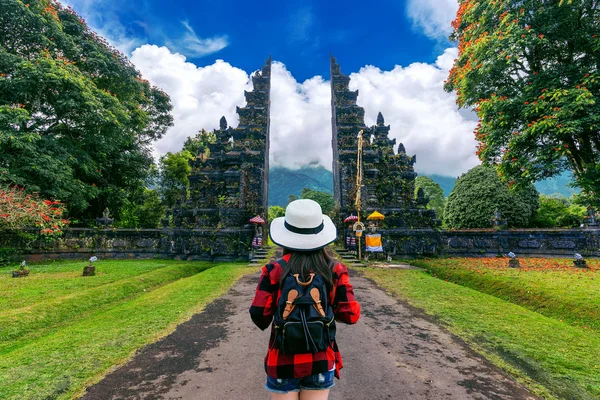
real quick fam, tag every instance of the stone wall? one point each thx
(523, 242)
(234, 244)
(186, 244)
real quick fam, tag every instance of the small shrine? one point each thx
(258, 223)
(373, 241)
(105, 221)
(592, 220)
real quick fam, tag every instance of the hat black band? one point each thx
(304, 231)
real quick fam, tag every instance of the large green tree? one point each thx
(479, 193)
(530, 69)
(558, 212)
(324, 199)
(76, 118)
(276, 212)
(146, 212)
(174, 169)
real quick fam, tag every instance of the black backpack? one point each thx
(304, 321)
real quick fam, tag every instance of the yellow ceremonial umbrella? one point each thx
(375, 215)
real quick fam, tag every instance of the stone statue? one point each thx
(105, 221)
(497, 221)
(591, 219)
(372, 227)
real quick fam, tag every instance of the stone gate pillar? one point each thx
(230, 186)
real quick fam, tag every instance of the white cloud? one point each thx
(300, 120)
(445, 61)
(200, 95)
(300, 112)
(432, 17)
(412, 100)
(422, 115)
(191, 45)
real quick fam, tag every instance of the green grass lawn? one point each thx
(554, 358)
(552, 287)
(65, 341)
(59, 278)
(19, 325)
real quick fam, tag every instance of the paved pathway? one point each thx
(394, 352)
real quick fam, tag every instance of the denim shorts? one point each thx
(321, 381)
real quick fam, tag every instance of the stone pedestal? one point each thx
(580, 264)
(20, 273)
(89, 270)
(514, 263)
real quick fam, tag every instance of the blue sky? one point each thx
(202, 54)
(301, 34)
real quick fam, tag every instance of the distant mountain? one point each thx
(446, 182)
(557, 185)
(284, 182)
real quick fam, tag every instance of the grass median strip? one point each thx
(21, 325)
(60, 278)
(62, 364)
(555, 359)
(552, 287)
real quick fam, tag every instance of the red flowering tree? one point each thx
(18, 209)
(530, 69)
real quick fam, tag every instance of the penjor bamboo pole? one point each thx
(358, 201)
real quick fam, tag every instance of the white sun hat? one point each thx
(303, 228)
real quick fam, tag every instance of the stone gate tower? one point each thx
(388, 177)
(230, 185)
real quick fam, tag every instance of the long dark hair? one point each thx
(303, 262)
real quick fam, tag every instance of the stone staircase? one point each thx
(348, 258)
(260, 256)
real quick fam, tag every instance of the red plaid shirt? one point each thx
(285, 366)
